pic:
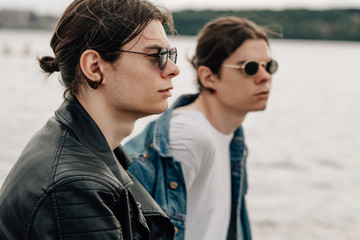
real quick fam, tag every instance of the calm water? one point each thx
(304, 158)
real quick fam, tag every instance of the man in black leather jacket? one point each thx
(71, 180)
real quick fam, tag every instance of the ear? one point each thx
(90, 65)
(207, 77)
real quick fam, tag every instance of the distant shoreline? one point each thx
(336, 24)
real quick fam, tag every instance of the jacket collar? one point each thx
(75, 117)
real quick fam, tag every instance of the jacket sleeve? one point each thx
(79, 209)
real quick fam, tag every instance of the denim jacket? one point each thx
(154, 166)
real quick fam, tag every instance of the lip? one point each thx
(166, 91)
(264, 93)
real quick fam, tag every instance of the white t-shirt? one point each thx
(204, 153)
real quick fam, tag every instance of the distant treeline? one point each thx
(342, 24)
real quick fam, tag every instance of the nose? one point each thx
(262, 75)
(171, 70)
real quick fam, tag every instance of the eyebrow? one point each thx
(154, 46)
(250, 59)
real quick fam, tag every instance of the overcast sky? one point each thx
(58, 6)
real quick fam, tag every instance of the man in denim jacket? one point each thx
(192, 159)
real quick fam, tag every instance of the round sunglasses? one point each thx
(162, 56)
(250, 68)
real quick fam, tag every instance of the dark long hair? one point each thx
(219, 38)
(101, 25)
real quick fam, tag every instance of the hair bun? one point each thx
(54, 65)
(48, 64)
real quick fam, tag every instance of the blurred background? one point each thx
(304, 149)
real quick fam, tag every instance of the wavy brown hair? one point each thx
(101, 25)
(219, 38)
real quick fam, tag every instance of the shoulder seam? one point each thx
(59, 147)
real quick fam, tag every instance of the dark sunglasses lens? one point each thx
(251, 68)
(272, 66)
(173, 54)
(163, 56)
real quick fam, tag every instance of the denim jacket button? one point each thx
(145, 156)
(173, 185)
(176, 230)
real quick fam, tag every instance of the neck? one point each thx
(223, 119)
(113, 125)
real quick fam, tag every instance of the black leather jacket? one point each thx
(69, 184)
